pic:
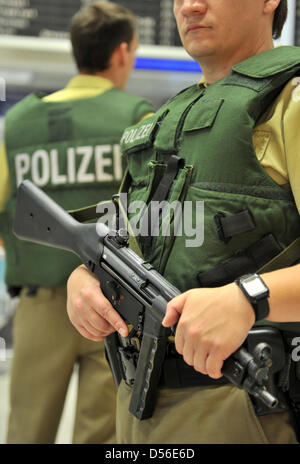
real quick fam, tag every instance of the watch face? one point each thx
(254, 286)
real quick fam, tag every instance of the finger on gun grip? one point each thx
(92, 330)
(85, 333)
(213, 366)
(97, 321)
(171, 317)
(200, 359)
(116, 322)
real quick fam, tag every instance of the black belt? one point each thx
(176, 373)
(16, 290)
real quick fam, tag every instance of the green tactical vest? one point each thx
(247, 218)
(71, 150)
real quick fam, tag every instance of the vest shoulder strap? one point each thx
(269, 63)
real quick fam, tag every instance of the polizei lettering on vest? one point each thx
(132, 135)
(85, 164)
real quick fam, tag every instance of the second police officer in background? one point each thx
(68, 144)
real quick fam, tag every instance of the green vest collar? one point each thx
(269, 63)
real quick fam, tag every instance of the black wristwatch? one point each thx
(257, 294)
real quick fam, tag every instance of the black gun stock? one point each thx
(138, 292)
(39, 219)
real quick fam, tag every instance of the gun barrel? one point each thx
(266, 397)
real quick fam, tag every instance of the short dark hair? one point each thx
(280, 18)
(96, 30)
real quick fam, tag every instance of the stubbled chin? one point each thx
(197, 52)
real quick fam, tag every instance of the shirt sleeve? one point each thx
(4, 177)
(144, 117)
(291, 134)
(143, 110)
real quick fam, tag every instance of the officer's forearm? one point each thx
(284, 300)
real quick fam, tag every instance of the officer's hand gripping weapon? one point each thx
(138, 293)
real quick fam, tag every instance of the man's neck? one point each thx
(108, 74)
(215, 68)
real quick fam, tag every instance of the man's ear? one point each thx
(270, 6)
(120, 54)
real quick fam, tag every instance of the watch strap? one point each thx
(261, 309)
(260, 306)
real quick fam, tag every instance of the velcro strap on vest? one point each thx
(160, 194)
(243, 262)
(169, 176)
(229, 226)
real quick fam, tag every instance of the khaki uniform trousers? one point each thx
(202, 415)
(45, 349)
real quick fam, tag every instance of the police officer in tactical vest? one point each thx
(236, 134)
(68, 144)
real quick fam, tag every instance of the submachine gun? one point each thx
(139, 294)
